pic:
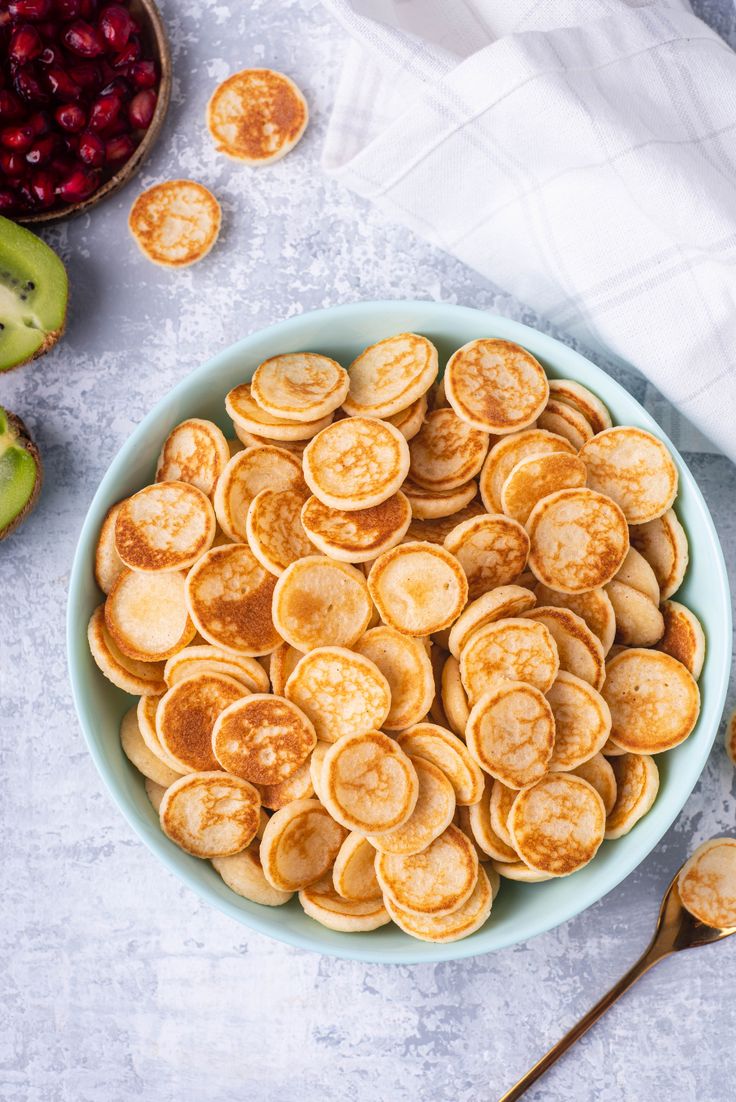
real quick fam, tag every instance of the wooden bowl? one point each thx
(155, 47)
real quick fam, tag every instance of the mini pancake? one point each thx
(663, 544)
(146, 615)
(322, 903)
(566, 421)
(405, 664)
(583, 400)
(511, 733)
(368, 783)
(536, 477)
(492, 551)
(251, 440)
(596, 539)
(454, 698)
(210, 814)
(167, 526)
(195, 452)
(496, 386)
(436, 881)
(436, 530)
(634, 468)
(481, 828)
(498, 604)
(437, 657)
(409, 421)
(155, 793)
(318, 602)
(316, 762)
(354, 873)
(136, 678)
(437, 399)
(356, 463)
(582, 722)
(707, 883)
(248, 416)
(519, 871)
(108, 564)
(207, 659)
(299, 845)
(390, 375)
(146, 714)
(248, 473)
(229, 597)
(499, 809)
(433, 504)
(443, 749)
(683, 637)
(256, 116)
(274, 529)
(514, 649)
(243, 874)
(636, 572)
(593, 606)
(175, 223)
(468, 918)
(598, 771)
(580, 651)
(283, 664)
(637, 785)
(432, 813)
(262, 738)
(341, 692)
(299, 386)
(558, 824)
(186, 716)
(418, 588)
(139, 754)
(357, 535)
(296, 787)
(234, 446)
(639, 623)
(446, 452)
(504, 456)
(654, 701)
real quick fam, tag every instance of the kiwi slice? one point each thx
(21, 473)
(33, 295)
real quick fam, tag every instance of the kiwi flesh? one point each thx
(34, 291)
(21, 473)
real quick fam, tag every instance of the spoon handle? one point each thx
(644, 963)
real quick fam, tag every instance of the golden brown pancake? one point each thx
(448, 753)
(146, 715)
(210, 814)
(390, 375)
(326, 906)
(262, 738)
(249, 472)
(510, 450)
(511, 733)
(296, 787)
(683, 637)
(299, 845)
(436, 881)
(594, 607)
(341, 692)
(434, 504)
(108, 564)
(454, 698)
(318, 602)
(491, 549)
(146, 615)
(599, 772)
(299, 386)
(356, 463)
(447, 452)
(140, 755)
(639, 623)
(418, 588)
(536, 477)
(637, 785)
(358, 535)
(248, 417)
(663, 544)
(498, 604)
(368, 783)
(582, 722)
(501, 802)
(229, 597)
(707, 883)
(243, 874)
(354, 873)
(175, 223)
(596, 539)
(566, 421)
(186, 716)
(635, 469)
(274, 529)
(580, 650)
(136, 678)
(636, 572)
(167, 526)
(436, 531)
(496, 386)
(478, 819)
(558, 824)
(468, 918)
(654, 701)
(583, 400)
(195, 451)
(283, 663)
(409, 421)
(405, 664)
(204, 658)
(257, 116)
(432, 813)
(515, 649)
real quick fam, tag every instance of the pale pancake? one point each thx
(639, 623)
(356, 463)
(341, 692)
(155, 793)
(437, 398)
(251, 440)
(683, 637)
(322, 903)
(707, 883)
(654, 701)
(578, 540)
(405, 664)
(167, 526)
(140, 755)
(580, 650)
(583, 400)
(511, 733)
(299, 845)
(436, 881)
(496, 386)
(594, 607)
(186, 716)
(318, 602)
(566, 421)
(243, 874)
(299, 386)
(499, 809)
(195, 452)
(446, 452)
(315, 767)
(146, 615)
(108, 564)
(409, 421)
(354, 872)
(536, 477)
(504, 456)
(263, 738)
(454, 698)
(481, 828)
(498, 604)
(357, 535)
(468, 918)
(296, 787)
(515, 649)
(368, 783)
(492, 551)
(598, 771)
(136, 678)
(418, 588)
(274, 529)
(663, 544)
(582, 722)
(443, 749)
(518, 870)
(436, 530)
(256, 116)
(635, 469)
(204, 658)
(637, 784)
(636, 572)
(390, 375)
(210, 814)
(146, 714)
(432, 813)
(247, 415)
(229, 597)
(283, 664)
(433, 504)
(248, 473)
(175, 223)
(558, 824)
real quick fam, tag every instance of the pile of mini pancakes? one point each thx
(400, 638)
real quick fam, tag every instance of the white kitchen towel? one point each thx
(579, 153)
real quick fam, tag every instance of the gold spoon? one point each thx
(676, 929)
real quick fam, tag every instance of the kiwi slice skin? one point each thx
(21, 473)
(34, 291)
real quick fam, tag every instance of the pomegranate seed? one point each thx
(91, 149)
(144, 74)
(83, 39)
(40, 123)
(42, 188)
(52, 55)
(128, 56)
(61, 84)
(10, 106)
(141, 109)
(8, 201)
(36, 10)
(118, 87)
(104, 111)
(119, 149)
(61, 165)
(78, 185)
(71, 117)
(87, 75)
(12, 163)
(120, 126)
(88, 8)
(17, 137)
(116, 25)
(67, 9)
(42, 150)
(25, 44)
(28, 85)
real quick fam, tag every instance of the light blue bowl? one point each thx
(521, 911)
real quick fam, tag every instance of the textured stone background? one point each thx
(116, 983)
